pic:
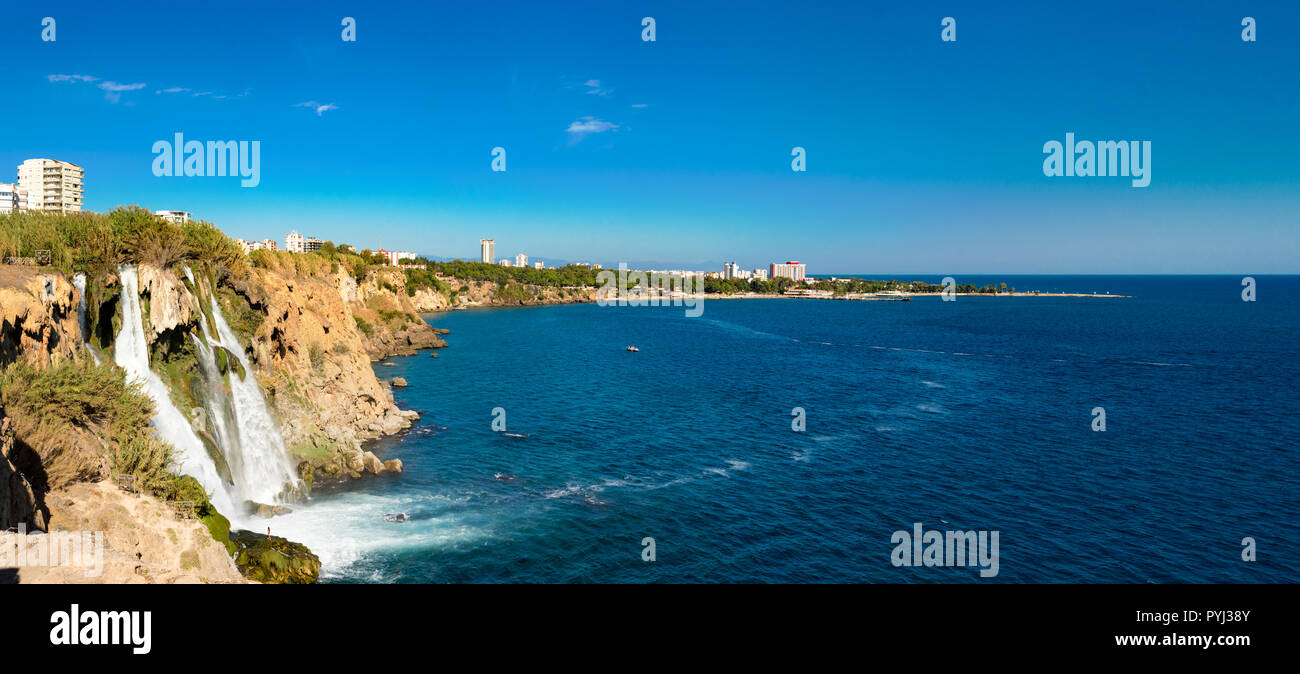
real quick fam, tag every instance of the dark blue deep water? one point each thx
(971, 415)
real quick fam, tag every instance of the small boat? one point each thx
(633, 348)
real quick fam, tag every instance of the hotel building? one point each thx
(791, 270)
(521, 260)
(487, 250)
(52, 186)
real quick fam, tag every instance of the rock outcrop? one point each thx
(271, 559)
(171, 304)
(390, 316)
(38, 316)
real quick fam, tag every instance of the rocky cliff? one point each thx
(18, 502)
(143, 541)
(465, 294)
(313, 350)
(38, 316)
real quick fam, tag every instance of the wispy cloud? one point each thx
(114, 86)
(585, 126)
(72, 78)
(112, 90)
(594, 88)
(640, 105)
(320, 108)
(173, 90)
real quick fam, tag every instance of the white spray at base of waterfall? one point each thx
(132, 354)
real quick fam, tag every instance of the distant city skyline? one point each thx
(919, 154)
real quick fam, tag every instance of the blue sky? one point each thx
(923, 156)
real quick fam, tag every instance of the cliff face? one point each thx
(18, 503)
(313, 352)
(391, 316)
(38, 316)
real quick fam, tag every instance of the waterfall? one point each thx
(79, 281)
(262, 470)
(132, 354)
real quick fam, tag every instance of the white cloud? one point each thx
(173, 90)
(640, 105)
(589, 125)
(320, 109)
(71, 78)
(114, 86)
(594, 88)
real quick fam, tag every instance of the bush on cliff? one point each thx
(97, 242)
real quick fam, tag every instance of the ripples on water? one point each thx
(967, 415)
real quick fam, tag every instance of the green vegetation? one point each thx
(568, 276)
(364, 326)
(98, 242)
(70, 399)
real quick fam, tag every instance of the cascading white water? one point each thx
(262, 470)
(132, 354)
(79, 281)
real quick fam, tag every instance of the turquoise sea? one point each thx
(967, 415)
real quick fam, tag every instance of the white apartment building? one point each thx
(52, 186)
(174, 217)
(537, 264)
(521, 260)
(730, 270)
(13, 198)
(297, 243)
(487, 250)
(504, 262)
(760, 274)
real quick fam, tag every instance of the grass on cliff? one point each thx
(63, 400)
(97, 242)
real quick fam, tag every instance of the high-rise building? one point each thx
(174, 217)
(791, 270)
(13, 198)
(487, 250)
(730, 270)
(521, 260)
(760, 274)
(295, 242)
(52, 186)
